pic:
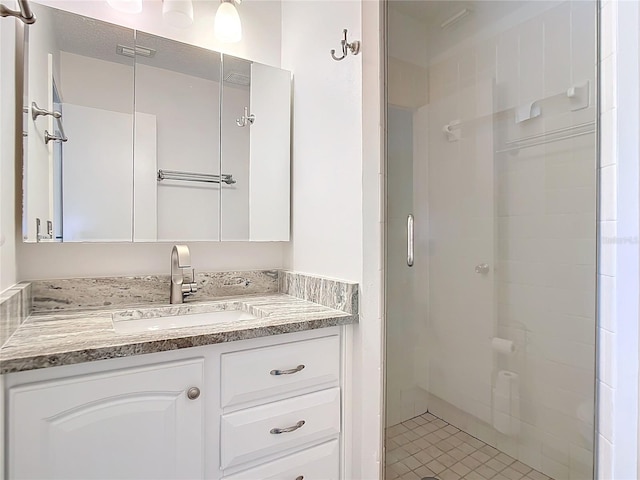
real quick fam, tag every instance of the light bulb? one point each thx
(227, 27)
(126, 6)
(178, 13)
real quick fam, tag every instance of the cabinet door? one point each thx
(125, 424)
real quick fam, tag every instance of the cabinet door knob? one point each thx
(287, 372)
(293, 428)
(300, 477)
(193, 393)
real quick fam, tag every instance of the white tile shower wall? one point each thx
(545, 238)
(607, 267)
(618, 242)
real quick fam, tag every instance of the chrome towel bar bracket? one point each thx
(25, 14)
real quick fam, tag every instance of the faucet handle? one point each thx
(189, 285)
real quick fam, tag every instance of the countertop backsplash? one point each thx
(59, 295)
(15, 307)
(119, 292)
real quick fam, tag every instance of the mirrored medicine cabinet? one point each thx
(131, 137)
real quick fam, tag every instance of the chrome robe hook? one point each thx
(246, 119)
(354, 47)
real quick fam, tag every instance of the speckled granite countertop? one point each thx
(70, 337)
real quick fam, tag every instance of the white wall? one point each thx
(336, 214)
(326, 151)
(261, 42)
(8, 272)
(115, 259)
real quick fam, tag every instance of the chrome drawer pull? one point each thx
(277, 431)
(287, 372)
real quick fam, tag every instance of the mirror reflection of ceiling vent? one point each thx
(238, 79)
(133, 51)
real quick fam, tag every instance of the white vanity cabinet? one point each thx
(277, 400)
(266, 408)
(127, 423)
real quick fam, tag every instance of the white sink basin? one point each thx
(180, 321)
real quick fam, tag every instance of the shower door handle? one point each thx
(410, 240)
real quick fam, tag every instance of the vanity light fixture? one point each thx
(227, 27)
(126, 6)
(178, 13)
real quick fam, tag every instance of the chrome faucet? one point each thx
(181, 258)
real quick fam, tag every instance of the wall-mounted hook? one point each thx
(354, 47)
(36, 111)
(246, 119)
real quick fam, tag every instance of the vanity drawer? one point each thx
(317, 463)
(269, 429)
(279, 370)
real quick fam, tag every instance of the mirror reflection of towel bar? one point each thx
(195, 177)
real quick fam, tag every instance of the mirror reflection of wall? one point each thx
(255, 143)
(177, 104)
(235, 137)
(85, 189)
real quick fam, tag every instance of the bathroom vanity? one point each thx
(239, 399)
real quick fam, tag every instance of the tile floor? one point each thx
(427, 446)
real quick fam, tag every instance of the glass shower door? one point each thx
(491, 146)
